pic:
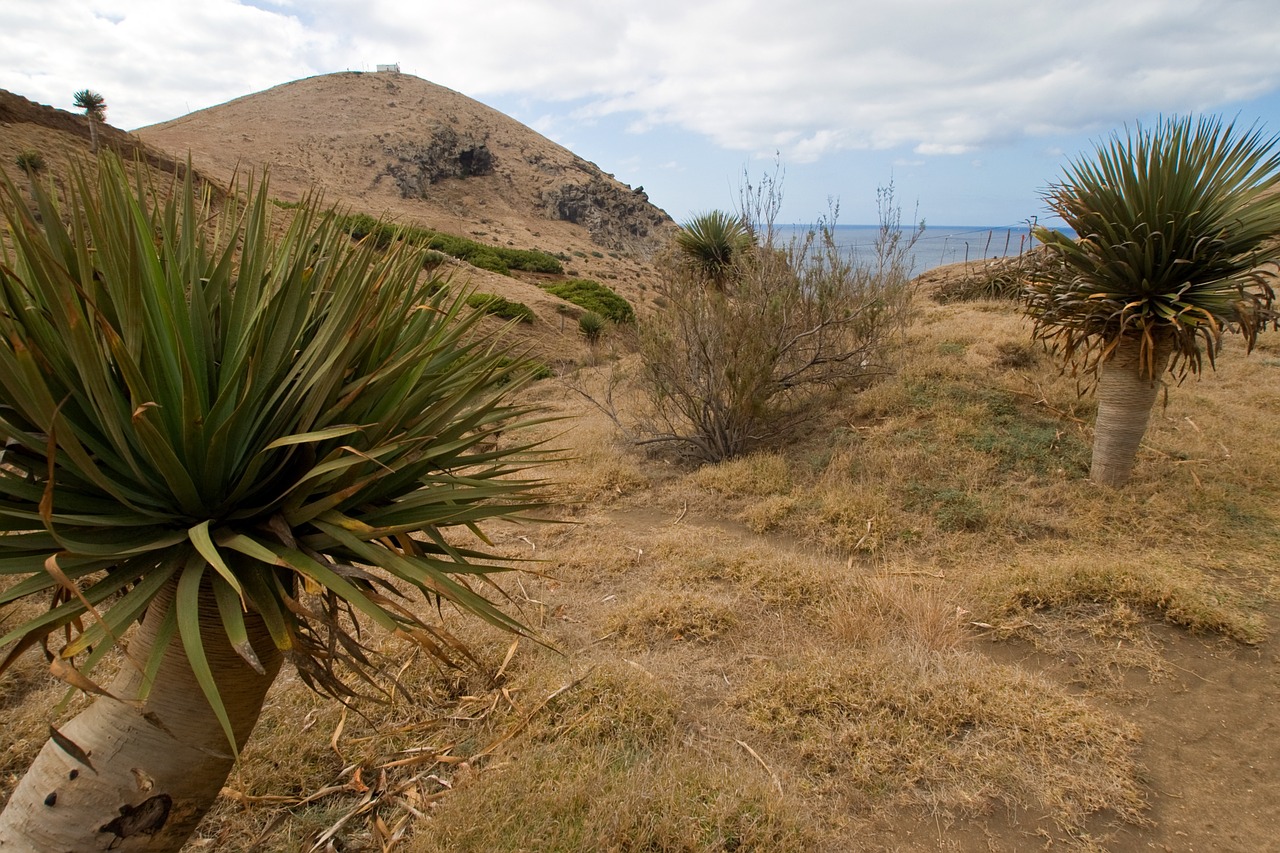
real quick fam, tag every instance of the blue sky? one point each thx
(970, 107)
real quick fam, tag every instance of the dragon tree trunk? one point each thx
(144, 773)
(1126, 393)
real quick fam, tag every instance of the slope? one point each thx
(396, 144)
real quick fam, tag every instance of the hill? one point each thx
(394, 144)
(60, 136)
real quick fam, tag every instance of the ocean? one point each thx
(937, 246)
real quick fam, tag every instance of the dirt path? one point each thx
(1212, 749)
(1211, 743)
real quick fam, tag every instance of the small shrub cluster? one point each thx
(536, 370)
(497, 259)
(998, 278)
(499, 307)
(594, 296)
(30, 161)
(591, 325)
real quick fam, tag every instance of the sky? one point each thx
(969, 109)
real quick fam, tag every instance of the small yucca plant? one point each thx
(252, 443)
(592, 326)
(95, 109)
(1177, 225)
(713, 242)
(30, 161)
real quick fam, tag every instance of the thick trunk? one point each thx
(1125, 397)
(157, 768)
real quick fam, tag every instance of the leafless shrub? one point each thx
(735, 360)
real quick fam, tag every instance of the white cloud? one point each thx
(806, 78)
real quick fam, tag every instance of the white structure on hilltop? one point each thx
(394, 68)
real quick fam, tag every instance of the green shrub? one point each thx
(532, 260)
(30, 160)
(492, 304)
(497, 259)
(535, 370)
(596, 297)
(433, 259)
(361, 225)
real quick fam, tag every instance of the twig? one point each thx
(774, 776)
(1041, 399)
(268, 830)
(528, 718)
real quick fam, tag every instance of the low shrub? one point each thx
(594, 296)
(591, 325)
(30, 160)
(740, 352)
(497, 259)
(999, 278)
(499, 307)
(534, 369)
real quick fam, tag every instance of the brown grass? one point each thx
(822, 685)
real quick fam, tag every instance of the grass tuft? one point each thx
(950, 731)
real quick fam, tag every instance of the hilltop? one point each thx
(394, 144)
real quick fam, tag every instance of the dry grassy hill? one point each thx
(394, 145)
(61, 137)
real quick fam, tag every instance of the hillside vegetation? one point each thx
(914, 629)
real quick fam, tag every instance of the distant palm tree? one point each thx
(1175, 225)
(95, 107)
(714, 242)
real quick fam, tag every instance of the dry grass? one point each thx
(950, 731)
(715, 689)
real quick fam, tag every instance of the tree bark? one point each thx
(1125, 397)
(157, 766)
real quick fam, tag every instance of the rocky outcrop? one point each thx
(616, 216)
(447, 154)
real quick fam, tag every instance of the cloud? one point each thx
(816, 77)
(151, 59)
(807, 79)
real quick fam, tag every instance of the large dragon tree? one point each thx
(1179, 235)
(249, 439)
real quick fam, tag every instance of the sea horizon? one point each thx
(937, 245)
